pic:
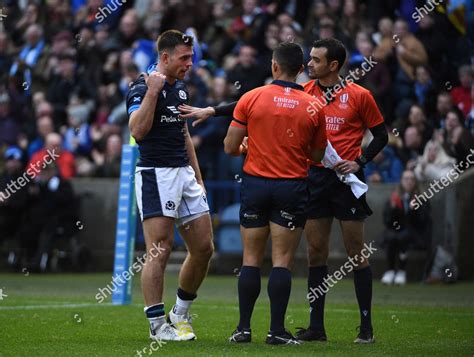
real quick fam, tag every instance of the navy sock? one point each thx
(154, 311)
(183, 295)
(249, 289)
(279, 289)
(316, 277)
(363, 289)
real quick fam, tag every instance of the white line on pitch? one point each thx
(60, 306)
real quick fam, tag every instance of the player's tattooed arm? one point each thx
(141, 120)
(192, 155)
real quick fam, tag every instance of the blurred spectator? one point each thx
(385, 167)
(108, 163)
(54, 152)
(470, 116)
(12, 203)
(246, 75)
(50, 213)
(5, 55)
(377, 80)
(128, 32)
(409, 53)
(413, 147)
(433, 34)
(241, 27)
(457, 139)
(405, 227)
(77, 138)
(216, 35)
(31, 61)
(385, 40)
(425, 90)
(9, 126)
(462, 94)
(434, 163)
(44, 126)
(444, 103)
(63, 85)
(417, 118)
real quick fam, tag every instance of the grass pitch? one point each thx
(57, 315)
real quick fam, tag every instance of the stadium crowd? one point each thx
(66, 67)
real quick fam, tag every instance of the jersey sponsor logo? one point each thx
(334, 123)
(170, 206)
(173, 109)
(182, 94)
(170, 119)
(136, 99)
(285, 102)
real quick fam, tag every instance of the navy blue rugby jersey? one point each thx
(164, 145)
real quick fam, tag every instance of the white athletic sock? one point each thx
(156, 322)
(182, 306)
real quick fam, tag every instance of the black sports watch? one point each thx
(361, 161)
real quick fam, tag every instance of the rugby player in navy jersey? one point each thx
(169, 186)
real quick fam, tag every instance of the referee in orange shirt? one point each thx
(282, 135)
(349, 110)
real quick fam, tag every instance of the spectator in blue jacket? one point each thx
(385, 167)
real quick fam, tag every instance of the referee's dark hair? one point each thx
(289, 57)
(168, 40)
(336, 50)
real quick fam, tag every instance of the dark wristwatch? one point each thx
(361, 161)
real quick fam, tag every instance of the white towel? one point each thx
(330, 159)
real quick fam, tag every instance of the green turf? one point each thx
(410, 320)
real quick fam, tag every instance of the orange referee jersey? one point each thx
(348, 115)
(281, 130)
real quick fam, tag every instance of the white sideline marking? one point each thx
(55, 306)
(61, 306)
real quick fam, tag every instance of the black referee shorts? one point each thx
(329, 197)
(281, 201)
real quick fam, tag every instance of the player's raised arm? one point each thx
(202, 114)
(141, 120)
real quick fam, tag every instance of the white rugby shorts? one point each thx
(169, 192)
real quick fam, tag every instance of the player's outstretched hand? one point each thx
(155, 81)
(346, 167)
(200, 114)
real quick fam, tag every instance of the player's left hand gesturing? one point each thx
(346, 167)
